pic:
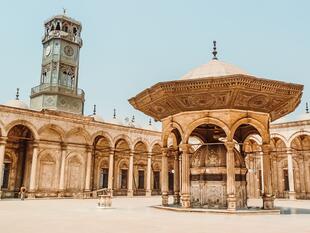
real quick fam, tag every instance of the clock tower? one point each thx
(58, 89)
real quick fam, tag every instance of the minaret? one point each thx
(58, 89)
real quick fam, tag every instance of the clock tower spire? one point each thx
(58, 89)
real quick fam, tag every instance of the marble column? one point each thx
(164, 177)
(2, 154)
(130, 176)
(33, 172)
(251, 183)
(176, 177)
(148, 175)
(111, 170)
(261, 156)
(230, 169)
(88, 168)
(275, 174)
(186, 184)
(301, 165)
(62, 170)
(268, 198)
(292, 194)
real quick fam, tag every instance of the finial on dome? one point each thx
(133, 119)
(114, 113)
(307, 107)
(64, 10)
(17, 94)
(214, 51)
(94, 110)
(150, 121)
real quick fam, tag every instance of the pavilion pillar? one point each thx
(292, 194)
(33, 172)
(88, 168)
(230, 169)
(2, 154)
(164, 177)
(185, 194)
(268, 198)
(62, 170)
(176, 177)
(111, 170)
(130, 176)
(148, 175)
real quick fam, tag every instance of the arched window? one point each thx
(74, 31)
(65, 28)
(58, 26)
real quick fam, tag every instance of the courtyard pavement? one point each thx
(134, 215)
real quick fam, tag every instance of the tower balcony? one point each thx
(57, 89)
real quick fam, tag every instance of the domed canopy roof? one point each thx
(16, 103)
(214, 68)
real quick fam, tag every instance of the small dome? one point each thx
(116, 121)
(214, 68)
(151, 127)
(16, 103)
(304, 117)
(97, 118)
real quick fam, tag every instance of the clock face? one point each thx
(47, 50)
(68, 50)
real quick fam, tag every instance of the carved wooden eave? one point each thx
(241, 92)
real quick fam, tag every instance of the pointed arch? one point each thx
(102, 134)
(297, 134)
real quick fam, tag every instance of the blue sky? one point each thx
(131, 44)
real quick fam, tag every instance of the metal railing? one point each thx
(58, 88)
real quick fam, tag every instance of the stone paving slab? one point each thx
(134, 215)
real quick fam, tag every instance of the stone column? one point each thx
(2, 154)
(301, 165)
(88, 168)
(261, 156)
(230, 168)
(111, 170)
(148, 175)
(130, 176)
(176, 177)
(251, 183)
(275, 174)
(186, 185)
(33, 171)
(291, 184)
(164, 177)
(62, 170)
(268, 198)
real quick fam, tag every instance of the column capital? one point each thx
(149, 155)
(63, 146)
(89, 148)
(112, 151)
(230, 145)
(131, 153)
(266, 147)
(164, 151)
(3, 140)
(185, 147)
(35, 144)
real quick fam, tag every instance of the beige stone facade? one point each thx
(61, 154)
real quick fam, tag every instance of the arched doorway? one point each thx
(121, 171)
(18, 160)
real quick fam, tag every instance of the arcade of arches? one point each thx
(63, 159)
